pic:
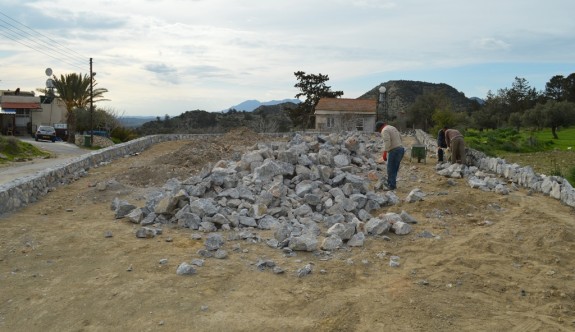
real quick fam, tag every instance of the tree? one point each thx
(535, 117)
(520, 97)
(497, 109)
(555, 89)
(552, 114)
(313, 87)
(263, 125)
(515, 120)
(74, 90)
(570, 88)
(559, 114)
(421, 113)
(445, 118)
(107, 119)
(493, 112)
(561, 88)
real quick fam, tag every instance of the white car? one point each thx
(45, 133)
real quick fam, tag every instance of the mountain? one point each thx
(250, 105)
(400, 95)
(478, 100)
(135, 121)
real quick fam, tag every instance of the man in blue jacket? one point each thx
(441, 144)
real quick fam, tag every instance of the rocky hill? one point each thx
(400, 95)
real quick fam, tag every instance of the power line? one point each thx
(19, 32)
(39, 44)
(41, 34)
(38, 50)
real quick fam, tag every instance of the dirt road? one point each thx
(493, 262)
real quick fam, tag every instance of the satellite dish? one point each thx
(48, 72)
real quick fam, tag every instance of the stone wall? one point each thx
(554, 186)
(99, 141)
(23, 191)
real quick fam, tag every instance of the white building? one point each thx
(22, 112)
(336, 114)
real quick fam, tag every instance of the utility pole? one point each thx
(91, 104)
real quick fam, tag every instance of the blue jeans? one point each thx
(393, 161)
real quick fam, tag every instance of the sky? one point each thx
(159, 57)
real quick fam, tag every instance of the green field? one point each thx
(537, 149)
(566, 139)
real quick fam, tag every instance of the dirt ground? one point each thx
(496, 263)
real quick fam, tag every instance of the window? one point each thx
(330, 122)
(359, 124)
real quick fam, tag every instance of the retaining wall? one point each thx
(554, 186)
(23, 191)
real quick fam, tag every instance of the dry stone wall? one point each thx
(523, 176)
(23, 191)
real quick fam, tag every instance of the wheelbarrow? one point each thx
(418, 151)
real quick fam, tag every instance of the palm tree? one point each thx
(74, 90)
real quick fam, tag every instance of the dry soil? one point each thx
(495, 263)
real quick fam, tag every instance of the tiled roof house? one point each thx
(21, 112)
(337, 114)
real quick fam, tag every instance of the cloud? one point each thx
(380, 4)
(491, 44)
(217, 53)
(207, 71)
(164, 72)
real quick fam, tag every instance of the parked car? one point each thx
(45, 133)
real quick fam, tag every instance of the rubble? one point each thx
(316, 193)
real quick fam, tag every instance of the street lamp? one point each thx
(91, 104)
(382, 107)
(50, 91)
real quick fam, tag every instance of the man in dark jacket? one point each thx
(441, 144)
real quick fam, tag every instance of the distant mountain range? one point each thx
(135, 121)
(402, 94)
(250, 105)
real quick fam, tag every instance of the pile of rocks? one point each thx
(315, 192)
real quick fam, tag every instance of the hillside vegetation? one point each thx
(272, 118)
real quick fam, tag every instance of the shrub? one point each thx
(510, 146)
(9, 145)
(122, 134)
(571, 176)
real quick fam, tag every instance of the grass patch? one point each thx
(566, 139)
(12, 149)
(537, 149)
(492, 142)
